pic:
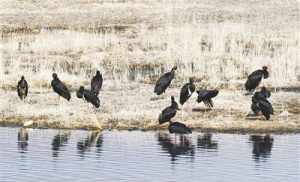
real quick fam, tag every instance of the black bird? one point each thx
(89, 96)
(168, 112)
(60, 88)
(179, 128)
(260, 103)
(96, 83)
(164, 81)
(255, 78)
(206, 96)
(22, 88)
(186, 91)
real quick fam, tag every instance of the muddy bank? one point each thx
(134, 106)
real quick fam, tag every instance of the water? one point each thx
(57, 155)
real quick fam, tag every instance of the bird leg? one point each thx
(211, 104)
(58, 100)
(97, 123)
(95, 110)
(59, 104)
(182, 112)
(249, 92)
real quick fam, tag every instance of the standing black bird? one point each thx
(179, 128)
(96, 83)
(22, 88)
(255, 78)
(60, 88)
(260, 103)
(164, 81)
(168, 112)
(206, 96)
(186, 91)
(89, 96)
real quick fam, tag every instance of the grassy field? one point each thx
(132, 42)
(218, 42)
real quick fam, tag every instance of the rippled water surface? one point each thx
(58, 155)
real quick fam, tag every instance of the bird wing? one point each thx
(253, 80)
(96, 84)
(255, 108)
(185, 93)
(266, 108)
(163, 82)
(166, 115)
(79, 94)
(177, 127)
(19, 89)
(26, 87)
(92, 98)
(61, 89)
(207, 95)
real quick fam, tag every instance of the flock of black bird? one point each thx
(260, 103)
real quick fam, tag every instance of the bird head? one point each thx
(22, 77)
(174, 68)
(172, 99)
(81, 88)
(79, 93)
(98, 73)
(265, 72)
(174, 103)
(191, 80)
(54, 76)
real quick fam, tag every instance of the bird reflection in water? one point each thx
(176, 148)
(99, 143)
(60, 140)
(206, 142)
(22, 140)
(85, 145)
(262, 146)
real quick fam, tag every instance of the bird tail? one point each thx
(161, 119)
(199, 99)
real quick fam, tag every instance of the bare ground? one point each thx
(135, 106)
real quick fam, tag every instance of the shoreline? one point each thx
(283, 129)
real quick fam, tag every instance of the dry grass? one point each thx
(138, 40)
(132, 42)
